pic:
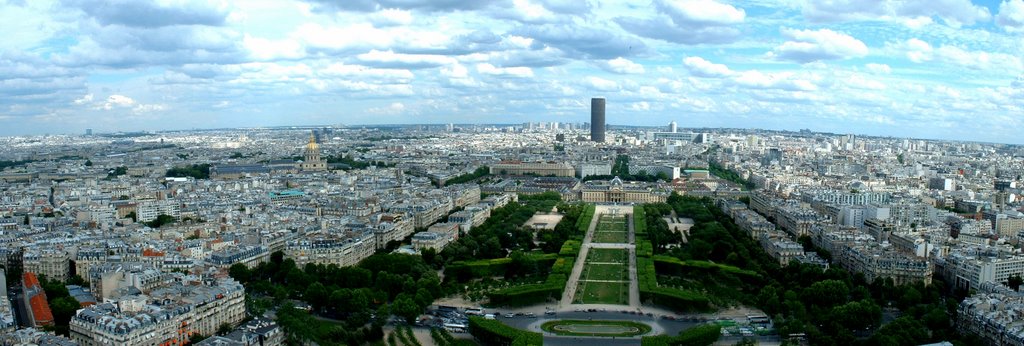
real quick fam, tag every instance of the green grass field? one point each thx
(602, 293)
(611, 229)
(605, 272)
(604, 265)
(607, 255)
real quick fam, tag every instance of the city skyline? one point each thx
(948, 70)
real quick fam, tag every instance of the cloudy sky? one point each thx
(919, 68)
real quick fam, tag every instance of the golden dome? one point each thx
(312, 143)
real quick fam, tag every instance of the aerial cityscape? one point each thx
(522, 172)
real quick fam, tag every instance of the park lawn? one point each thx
(605, 272)
(607, 255)
(610, 237)
(611, 230)
(602, 293)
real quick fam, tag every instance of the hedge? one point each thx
(529, 294)
(644, 248)
(571, 248)
(672, 298)
(525, 294)
(583, 223)
(493, 332)
(563, 265)
(673, 266)
(702, 335)
(639, 221)
(465, 270)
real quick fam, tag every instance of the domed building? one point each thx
(312, 161)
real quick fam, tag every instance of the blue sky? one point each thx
(919, 68)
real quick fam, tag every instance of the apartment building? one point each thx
(169, 315)
(996, 315)
(52, 262)
(325, 250)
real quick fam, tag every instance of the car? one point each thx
(510, 315)
(549, 312)
(530, 315)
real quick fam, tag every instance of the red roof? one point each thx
(40, 308)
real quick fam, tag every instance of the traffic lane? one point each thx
(574, 341)
(670, 327)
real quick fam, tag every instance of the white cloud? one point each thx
(703, 68)
(148, 108)
(391, 59)
(703, 12)
(640, 106)
(84, 100)
(265, 50)
(488, 69)
(622, 65)
(779, 80)
(918, 51)
(115, 100)
(878, 68)
(391, 109)
(1011, 15)
(908, 12)
(391, 17)
(814, 45)
(688, 22)
(602, 84)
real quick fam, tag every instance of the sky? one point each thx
(947, 69)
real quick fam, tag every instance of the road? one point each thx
(660, 326)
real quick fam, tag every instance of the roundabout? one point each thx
(596, 328)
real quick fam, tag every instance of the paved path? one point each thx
(634, 286)
(577, 270)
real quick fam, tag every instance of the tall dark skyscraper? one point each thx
(597, 119)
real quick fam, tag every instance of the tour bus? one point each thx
(475, 311)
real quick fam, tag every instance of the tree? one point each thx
(26, 220)
(860, 315)
(1014, 282)
(316, 295)
(224, 328)
(161, 220)
(826, 293)
(88, 163)
(429, 255)
(240, 272)
(405, 307)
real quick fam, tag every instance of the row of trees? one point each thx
(468, 177)
(352, 163)
(197, 171)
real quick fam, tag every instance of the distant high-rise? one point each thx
(88, 132)
(672, 127)
(597, 119)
